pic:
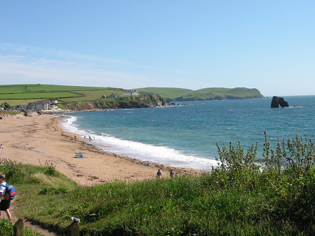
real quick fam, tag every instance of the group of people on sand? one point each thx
(159, 173)
(4, 204)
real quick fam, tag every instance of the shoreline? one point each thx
(40, 140)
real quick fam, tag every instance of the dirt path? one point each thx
(28, 224)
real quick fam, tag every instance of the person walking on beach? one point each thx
(172, 173)
(159, 174)
(4, 204)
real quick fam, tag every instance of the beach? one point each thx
(39, 140)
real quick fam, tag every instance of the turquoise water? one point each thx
(186, 135)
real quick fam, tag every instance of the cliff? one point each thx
(141, 101)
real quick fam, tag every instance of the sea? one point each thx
(185, 135)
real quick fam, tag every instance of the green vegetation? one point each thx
(6, 229)
(14, 103)
(18, 96)
(140, 101)
(167, 93)
(9, 112)
(7, 89)
(30, 176)
(240, 197)
(203, 94)
(23, 94)
(220, 94)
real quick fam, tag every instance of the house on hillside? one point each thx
(53, 101)
(131, 93)
(38, 106)
(103, 97)
(113, 95)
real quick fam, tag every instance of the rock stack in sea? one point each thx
(276, 101)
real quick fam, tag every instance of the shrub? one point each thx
(12, 170)
(50, 169)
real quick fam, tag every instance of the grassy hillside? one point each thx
(221, 94)
(176, 94)
(25, 93)
(236, 199)
(167, 93)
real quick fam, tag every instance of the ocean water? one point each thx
(186, 135)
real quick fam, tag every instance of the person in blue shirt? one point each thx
(4, 204)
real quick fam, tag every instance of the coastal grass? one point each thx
(2, 112)
(239, 197)
(170, 93)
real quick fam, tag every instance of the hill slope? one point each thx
(177, 94)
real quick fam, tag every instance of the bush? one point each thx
(12, 170)
(50, 169)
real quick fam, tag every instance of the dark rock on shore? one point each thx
(276, 101)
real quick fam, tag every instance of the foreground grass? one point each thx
(6, 229)
(216, 204)
(238, 198)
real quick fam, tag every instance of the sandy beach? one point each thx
(39, 140)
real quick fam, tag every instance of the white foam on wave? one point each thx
(140, 151)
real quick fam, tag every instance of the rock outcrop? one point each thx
(141, 101)
(8, 115)
(276, 101)
(30, 113)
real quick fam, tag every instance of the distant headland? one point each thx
(179, 94)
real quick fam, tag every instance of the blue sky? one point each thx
(268, 45)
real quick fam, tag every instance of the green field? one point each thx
(7, 89)
(45, 87)
(25, 93)
(26, 96)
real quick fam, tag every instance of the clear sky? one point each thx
(268, 45)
